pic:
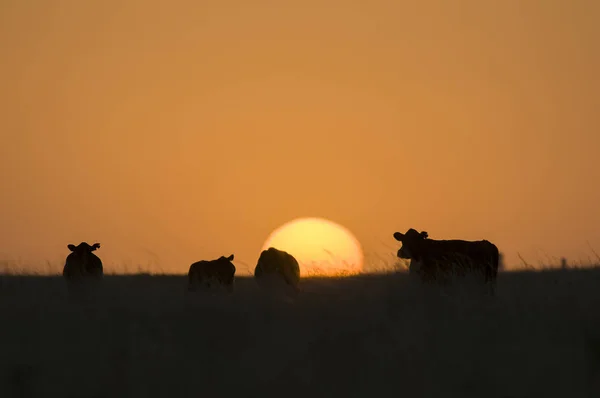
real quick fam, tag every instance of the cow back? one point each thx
(204, 269)
(277, 262)
(458, 255)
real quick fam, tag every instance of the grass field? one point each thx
(363, 336)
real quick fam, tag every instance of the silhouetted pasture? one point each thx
(369, 335)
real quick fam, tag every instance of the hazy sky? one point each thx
(188, 130)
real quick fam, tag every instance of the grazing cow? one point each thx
(274, 262)
(221, 269)
(82, 263)
(431, 258)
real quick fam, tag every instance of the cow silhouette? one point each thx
(82, 263)
(203, 272)
(278, 264)
(431, 259)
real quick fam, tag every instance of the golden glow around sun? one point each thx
(322, 247)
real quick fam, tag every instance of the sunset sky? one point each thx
(175, 131)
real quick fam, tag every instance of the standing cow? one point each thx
(279, 264)
(81, 263)
(433, 258)
(202, 272)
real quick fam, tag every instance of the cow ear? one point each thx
(398, 236)
(230, 258)
(95, 246)
(424, 234)
(71, 247)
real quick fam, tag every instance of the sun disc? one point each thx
(322, 247)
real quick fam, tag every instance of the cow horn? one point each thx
(398, 236)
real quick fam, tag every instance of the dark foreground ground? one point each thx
(368, 336)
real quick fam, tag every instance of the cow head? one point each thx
(226, 263)
(411, 242)
(83, 248)
(226, 259)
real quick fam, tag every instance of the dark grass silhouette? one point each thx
(381, 336)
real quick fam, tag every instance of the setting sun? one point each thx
(322, 247)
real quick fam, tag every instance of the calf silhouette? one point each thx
(202, 272)
(280, 264)
(81, 263)
(431, 258)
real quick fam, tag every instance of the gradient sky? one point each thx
(185, 130)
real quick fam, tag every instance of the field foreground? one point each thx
(365, 336)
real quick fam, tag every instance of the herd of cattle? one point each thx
(429, 259)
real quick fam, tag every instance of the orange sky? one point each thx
(187, 130)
